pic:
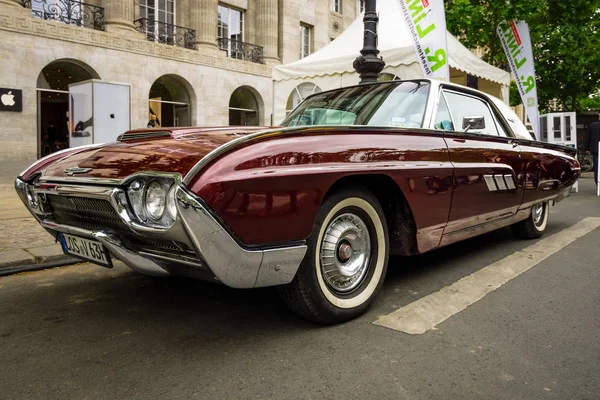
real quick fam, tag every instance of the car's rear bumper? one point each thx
(216, 255)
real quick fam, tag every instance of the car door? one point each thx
(486, 160)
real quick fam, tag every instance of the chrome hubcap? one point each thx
(344, 252)
(538, 213)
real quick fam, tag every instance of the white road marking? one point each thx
(424, 314)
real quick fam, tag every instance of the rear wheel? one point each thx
(534, 226)
(346, 260)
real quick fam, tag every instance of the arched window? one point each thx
(245, 107)
(299, 93)
(170, 102)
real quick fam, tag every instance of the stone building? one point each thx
(190, 62)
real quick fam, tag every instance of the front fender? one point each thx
(269, 192)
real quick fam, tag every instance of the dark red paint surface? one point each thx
(177, 153)
(269, 190)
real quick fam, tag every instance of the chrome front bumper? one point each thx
(217, 251)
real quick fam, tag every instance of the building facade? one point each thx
(188, 62)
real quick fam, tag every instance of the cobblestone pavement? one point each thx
(22, 240)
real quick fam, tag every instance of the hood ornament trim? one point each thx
(76, 170)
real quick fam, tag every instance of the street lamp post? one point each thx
(368, 65)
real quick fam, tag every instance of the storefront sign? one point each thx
(11, 100)
(516, 42)
(426, 20)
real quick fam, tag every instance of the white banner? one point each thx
(426, 20)
(516, 43)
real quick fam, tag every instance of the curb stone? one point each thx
(34, 259)
(13, 258)
(49, 253)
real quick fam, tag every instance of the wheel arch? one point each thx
(400, 220)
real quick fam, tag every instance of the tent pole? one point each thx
(367, 64)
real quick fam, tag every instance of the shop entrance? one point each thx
(53, 103)
(244, 108)
(169, 102)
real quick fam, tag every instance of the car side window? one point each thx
(471, 114)
(443, 119)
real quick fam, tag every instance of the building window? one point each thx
(361, 6)
(158, 10)
(299, 93)
(231, 24)
(305, 32)
(230, 31)
(336, 6)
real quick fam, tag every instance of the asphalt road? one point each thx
(85, 332)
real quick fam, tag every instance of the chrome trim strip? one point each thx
(130, 258)
(500, 182)
(231, 264)
(490, 182)
(78, 180)
(108, 181)
(95, 192)
(510, 182)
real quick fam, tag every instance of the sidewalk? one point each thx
(22, 240)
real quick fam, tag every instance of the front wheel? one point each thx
(346, 260)
(534, 226)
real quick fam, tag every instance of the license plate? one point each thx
(87, 249)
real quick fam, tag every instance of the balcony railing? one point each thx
(68, 12)
(241, 50)
(161, 32)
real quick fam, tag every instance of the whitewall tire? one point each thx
(535, 225)
(346, 261)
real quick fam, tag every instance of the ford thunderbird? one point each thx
(314, 206)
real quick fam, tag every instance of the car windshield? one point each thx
(398, 104)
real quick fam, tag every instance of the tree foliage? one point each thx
(565, 36)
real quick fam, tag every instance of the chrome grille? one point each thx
(97, 214)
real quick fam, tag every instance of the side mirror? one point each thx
(473, 123)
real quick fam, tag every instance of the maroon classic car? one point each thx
(314, 206)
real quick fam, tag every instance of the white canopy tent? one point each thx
(331, 66)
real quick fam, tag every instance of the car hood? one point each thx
(175, 151)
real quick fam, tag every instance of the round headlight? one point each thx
(155, 200)
(171, 202)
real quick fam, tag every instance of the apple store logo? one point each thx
(11, 100)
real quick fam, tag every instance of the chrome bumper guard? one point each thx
(230, 263)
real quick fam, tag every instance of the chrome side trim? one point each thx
(500, 182)
(510, 182)
(490, 182)
(231, 264)
(132, 259)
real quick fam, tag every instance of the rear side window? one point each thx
(465, 109)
